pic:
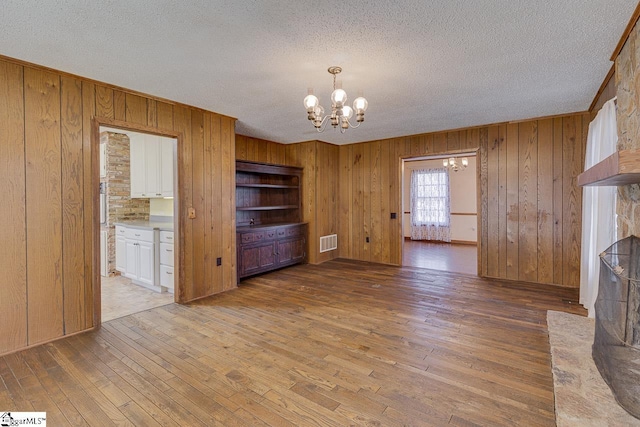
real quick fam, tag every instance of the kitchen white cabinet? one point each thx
(146, 263)
(121, 255)
(166, 260)
(137, 165)
(140, 256)
(151, 163)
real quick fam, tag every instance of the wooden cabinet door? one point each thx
(166, 167)
(268, 255)
(291, 251)
(146, 270)
(137, 166)
(121, 254)
(254, 259)
(131, 264)
(152, 167)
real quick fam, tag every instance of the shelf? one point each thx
(266, 208)
(620, 168)
(266, 186)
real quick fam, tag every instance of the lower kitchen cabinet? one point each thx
(269, 247)
(146, 257)
(167, 257)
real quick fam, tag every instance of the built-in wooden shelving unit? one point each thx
(270, 233)
(620, 168)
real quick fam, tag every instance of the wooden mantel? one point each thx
(620, 168)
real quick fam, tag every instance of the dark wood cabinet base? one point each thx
(269, 247)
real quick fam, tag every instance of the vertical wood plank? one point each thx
(558, 203)
(345, 213)
(228, 202)
(545, 201)
(182, 124)
(528, 200)
(309, 194)
(44, 213)
(136, 109)
(512, 202)
(90, 218)
(152, 113)
(572, 145)
(483, 203)
(502, 201)
(104, 102)
(396, 150)
(364, 193)
(440, 143)
(473, 138)
(13, 250)
(119, 105)
(492, 202)
(214, 188)
(207, 207)
(72, 209)
(198, 203)
(377, 208)
(453, 141)
(386, 236)
(165, 115)
(416, 145)
(241, 147)
(357, 202)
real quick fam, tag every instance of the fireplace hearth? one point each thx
(616, 345)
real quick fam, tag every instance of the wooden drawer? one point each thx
(121, 231)
(290, 231)
(252, 237)
(139, 234)
(270, 234)
(166, 254)
(166, 276)
(166, 237)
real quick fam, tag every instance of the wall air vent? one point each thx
(328, 243)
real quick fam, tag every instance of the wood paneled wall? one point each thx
(49, 236)
(529, 202)
(319, 195)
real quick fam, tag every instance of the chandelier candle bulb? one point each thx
(340, 112)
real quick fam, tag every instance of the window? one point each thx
(430, 204)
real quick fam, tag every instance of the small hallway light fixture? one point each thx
(340, 112)
(453, 164)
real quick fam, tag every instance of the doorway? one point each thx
(138, 227)
(460, 255)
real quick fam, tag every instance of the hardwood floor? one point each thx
(120, 298)
(337, 344)
(452, 257)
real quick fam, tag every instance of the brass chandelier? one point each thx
(340, 112)
(453, 164)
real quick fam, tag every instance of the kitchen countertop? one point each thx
(149, 225)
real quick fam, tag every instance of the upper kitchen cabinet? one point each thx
(151, 166)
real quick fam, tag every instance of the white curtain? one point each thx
(598, 205)
(430, 205)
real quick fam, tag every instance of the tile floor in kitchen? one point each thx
(120, 298)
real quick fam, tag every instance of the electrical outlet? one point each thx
(218, 261)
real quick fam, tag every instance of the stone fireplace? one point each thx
(616, 346)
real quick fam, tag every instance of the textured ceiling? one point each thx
(423, 65)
